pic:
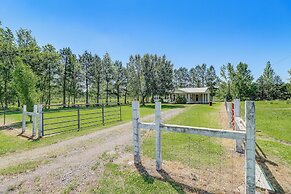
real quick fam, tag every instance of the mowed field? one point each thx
(191, 163)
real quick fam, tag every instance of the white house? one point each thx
(193, 95)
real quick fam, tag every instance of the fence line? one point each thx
(248, 136)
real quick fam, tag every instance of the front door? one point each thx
(197, 98)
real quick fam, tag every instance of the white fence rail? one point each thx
(247, 135)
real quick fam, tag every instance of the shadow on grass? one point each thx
(179, 187)
(11, 126)
(262, 161)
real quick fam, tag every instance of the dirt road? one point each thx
(68, 163)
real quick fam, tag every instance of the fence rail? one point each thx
(64, 119)
(248, 136)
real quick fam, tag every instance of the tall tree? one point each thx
(119, 79)
(181, 78)
(97, 76)
(74, 76)
(87, 62)
(108, 73)
(66, 55)
(243, 86)
(211, 81)
(50, 61)
(8, 53)
(268, 83)
(136, 78)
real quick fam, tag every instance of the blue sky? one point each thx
(188, 32)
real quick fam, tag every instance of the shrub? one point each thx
(24, 82)
(181, 100)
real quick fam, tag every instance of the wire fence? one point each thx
(195, 163)
(61, 119)
(10, 118)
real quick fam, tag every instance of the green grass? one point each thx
(118, 180)
(10, 143)
(279, 150)
(273, 125)
(273, 119)
(191, 150)
(21, 168)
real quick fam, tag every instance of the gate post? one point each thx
(23, 118)
(158, 135)
(34, 120)
(250, 179)
(40, 125)
(238, 143)
(135, 131)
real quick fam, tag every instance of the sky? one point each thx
(214, 32)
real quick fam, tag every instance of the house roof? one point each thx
(191, 90)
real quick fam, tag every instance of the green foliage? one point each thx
(270, 85)
(236, 82)
(181, 99)
(24, 82)
(149, 75)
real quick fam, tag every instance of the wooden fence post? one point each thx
(23, 118)
(34, 120)
(158, 135)
(238, 144)
(135, 131)
(250, 162)
(40, 125)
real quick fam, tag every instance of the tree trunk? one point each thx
(98, 92)
(118, 96)
(64, 84)
(107, 83)
(5, 93)
(87, 92)
(125, 95)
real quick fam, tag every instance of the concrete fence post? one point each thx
(40, 125)
(34, 120)
(239, 143)
(250, 162)
(229, 115)
(23, 118)
(158, 135)
(135, 131)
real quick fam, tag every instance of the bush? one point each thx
(181, 100)
(24, 82)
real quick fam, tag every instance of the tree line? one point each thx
(30, 74)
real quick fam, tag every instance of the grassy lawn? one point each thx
(11, 143)
(192, 150)
(273, 122)
(118, 180)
